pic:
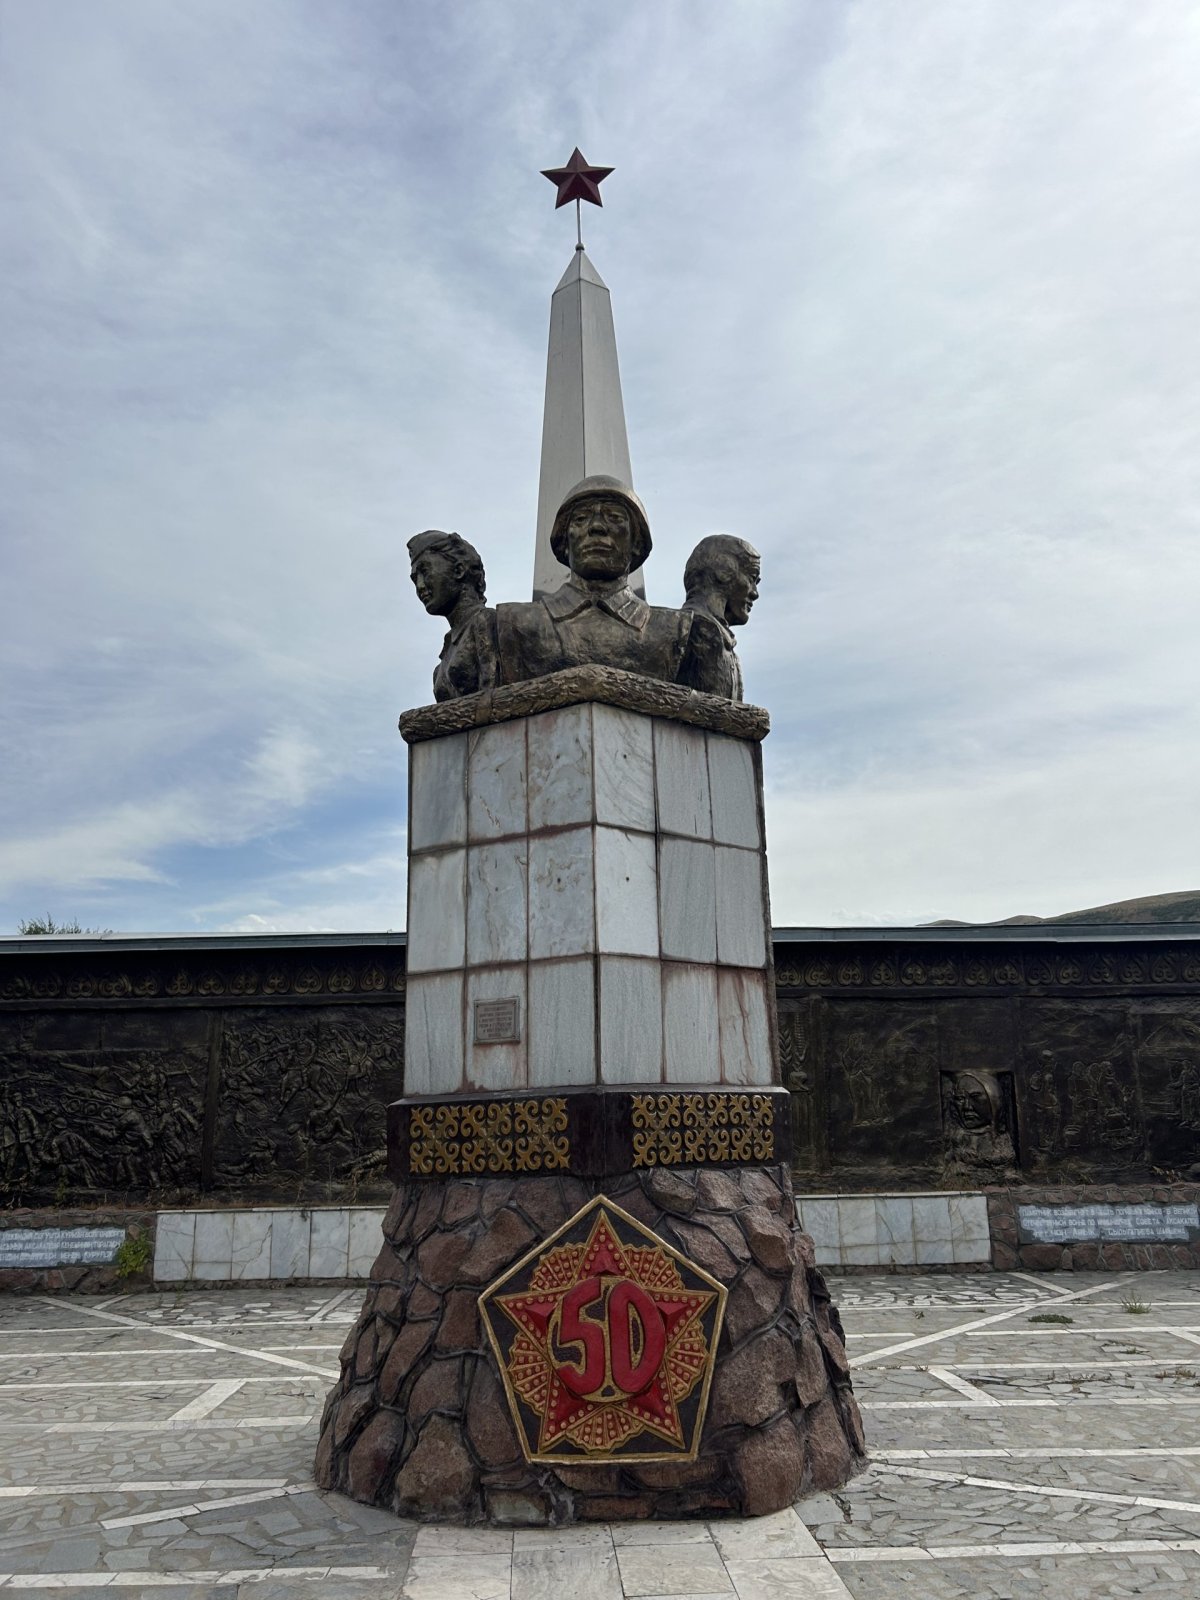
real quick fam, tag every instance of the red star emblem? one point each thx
(577, 181)
(606, 1340)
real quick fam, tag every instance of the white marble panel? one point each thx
(931, 1221)
(174, 1240)
(495, 1066)
(329, 1243)
(290, 1231)
(733, 785)
(433, 1034)
(560, 768)
(497, 912)
(251, 1259)
(741, 922)
(631, 1041)
(626, 893)
(624, 763)
(437, 792)
(745, 1029)
(681, 780)
(562, 1026)
(562, 919)
(894, 1229)
(437, 923)
(856, 1222)
(496, 780)
(819, 1218)
(687, 900)
(934, 1252)
(861, 1255)
(970, 1235)
(691, 1040)
(212, 1253)
(366, 1239)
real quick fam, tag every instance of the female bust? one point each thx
(448, 576)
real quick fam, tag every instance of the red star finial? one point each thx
(577, 181)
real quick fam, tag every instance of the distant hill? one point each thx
(1181, 906)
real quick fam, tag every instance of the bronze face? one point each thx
(742, 590)
(972, 1104)
(600, 538)
(438, 580)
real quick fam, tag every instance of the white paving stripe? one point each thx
(1035, 1452)
(953, 1381)
(1128, 1331)
(208, 1344)
(1063, 1364)
(968, 1480)
(1034, 1401)
(158, 1383)
(215, 1395)
(967, 1327)
(1016, 1550)
(1040, 1282)
(164, 1425)
(188, 1580)
(25, 1491)
(170, 1513)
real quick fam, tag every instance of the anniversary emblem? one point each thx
(605, 1337)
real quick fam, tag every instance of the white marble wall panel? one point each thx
(894, 1229)
(497, 894)
(562, 1035)
(495, 1066)
(691, 1043)
(909, 1230)
(624, 768)
(329, 1244)
(681, 780)
(631, 1039)
(496, 781)
(859, 1230)
(744, 1026)
(561, 894)
(437, 924)
(291, 1232)
(366, 1240)
(970, 1233)
(819, 1218)
(733, 785)
(626, 893)
(741, 920)
(437, 793)
(433, 1034)
(212, 1253)
(560, 768)
(251, 1254)
(931, 1228)
(687, 900)
(174, 1244)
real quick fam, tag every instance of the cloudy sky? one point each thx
(906, 293)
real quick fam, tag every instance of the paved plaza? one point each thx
(1030, 1436)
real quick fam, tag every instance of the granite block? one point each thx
(744, 1027)
(681, 780)
(562, 1034)
(626, 893)
(741, 922)
(437, 924)
(290, 1231)
(251, 1254)
(560, 768)
(631, 1042)
(561, 893)
(495, 1066)
(687, 900)
(496, 781)
(329, 1243)
(733, 786)
(624, 768)
(438, 792)
(497, 902)
(174, 1241)
(212, 1253)
(691, 1038)
(433, 1034)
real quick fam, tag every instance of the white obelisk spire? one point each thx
(583, 427)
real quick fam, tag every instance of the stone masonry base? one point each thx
(418, 1421)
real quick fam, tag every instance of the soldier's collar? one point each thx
(620, 602)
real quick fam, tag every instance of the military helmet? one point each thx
(600, 483)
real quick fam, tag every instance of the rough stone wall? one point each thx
(82, 1278)
(418, 1421)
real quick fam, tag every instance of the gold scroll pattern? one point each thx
(489, 1137)
(674, 1129)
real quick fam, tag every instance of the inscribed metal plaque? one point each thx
(1140, 1223)
(22, 1248)
(498, 1021)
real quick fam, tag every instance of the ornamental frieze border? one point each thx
(277, 980)
(586, 1132)
(1023, 970)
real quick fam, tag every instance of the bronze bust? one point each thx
(721, 583)
(447, 573)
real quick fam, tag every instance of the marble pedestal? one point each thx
(593, 1300)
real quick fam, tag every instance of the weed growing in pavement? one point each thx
(1051, 1316)
(1134, 1306)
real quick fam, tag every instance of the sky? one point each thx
(905, 294)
